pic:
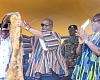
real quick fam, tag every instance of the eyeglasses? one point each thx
(95, 20)
(45, 25)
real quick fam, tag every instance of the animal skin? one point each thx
(15, 71)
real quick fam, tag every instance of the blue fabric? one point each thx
(88, 64)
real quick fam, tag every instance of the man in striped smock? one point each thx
(46, 49)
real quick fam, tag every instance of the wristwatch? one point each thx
(27, 28)
(86, 41)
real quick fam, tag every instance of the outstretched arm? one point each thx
(28, 27)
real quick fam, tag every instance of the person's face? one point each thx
(72, 32)
(4, 34)
(96, 24)
(46, 25)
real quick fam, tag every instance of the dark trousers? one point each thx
(70, 74)
(70, 70)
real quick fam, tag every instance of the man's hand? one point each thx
(20, 23)
(80, 41)
(23, 24)
(82, 35)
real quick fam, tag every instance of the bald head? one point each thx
(49, 20)
(47, 24)
(96, 17)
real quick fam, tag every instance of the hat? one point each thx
(4, 27)
(73, 26)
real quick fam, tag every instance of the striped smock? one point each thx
(42, 60)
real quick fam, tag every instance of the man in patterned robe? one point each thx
(88, 63)
(46, 49)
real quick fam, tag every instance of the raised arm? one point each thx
(29, 28)
(90, 44)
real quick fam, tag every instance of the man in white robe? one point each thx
(5, 51)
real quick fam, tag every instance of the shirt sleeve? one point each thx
(52, 39)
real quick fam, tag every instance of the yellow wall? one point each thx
(63, 12)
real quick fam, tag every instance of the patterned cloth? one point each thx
(88, 64)
(68, 50)
(42, 60)
(27, 47)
